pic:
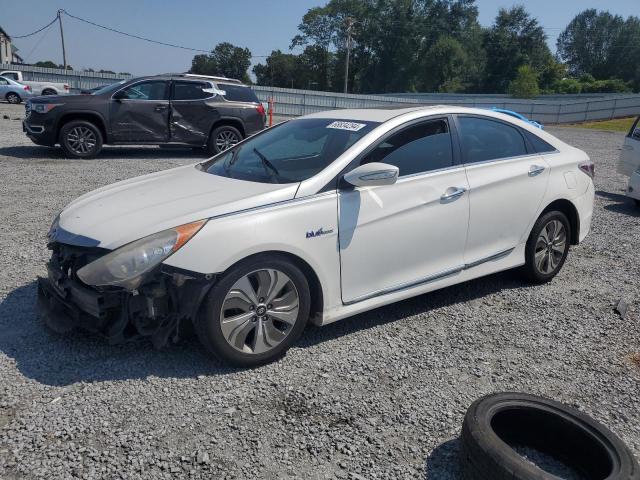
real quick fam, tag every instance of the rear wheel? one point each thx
(547, 247)
(13, 97)
(80, 139)
(255, 312)
(48, 91)
(222, 138)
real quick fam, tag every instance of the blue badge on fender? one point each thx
(318, 233)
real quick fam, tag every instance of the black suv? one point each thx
(172, 109)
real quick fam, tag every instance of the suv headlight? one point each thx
(44, 107)
(126, 266)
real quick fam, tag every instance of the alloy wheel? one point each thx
(259, 311)
(225, 140)
(81, 140)
(13, 98)
(550, 247)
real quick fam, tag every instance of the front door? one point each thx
(191, 115)
(397, 236)
(630, 155)
(507, 184)
(140, 112)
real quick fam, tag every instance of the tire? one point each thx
(257, 342)
(13, 98)
(636, 202)
(48, 91)
(574, 440)
(553, 257)
(222, 138)
(80, 129)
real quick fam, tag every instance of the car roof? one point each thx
(193, 76)
(384, 114)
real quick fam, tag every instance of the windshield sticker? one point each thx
(351, 126)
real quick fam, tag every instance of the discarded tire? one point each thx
(496, 424)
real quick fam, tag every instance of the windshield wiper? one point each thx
(266, 163)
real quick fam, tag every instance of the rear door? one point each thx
(193, 111)
(140, 112)
(507, 183)
(630, 155)
(4, 87)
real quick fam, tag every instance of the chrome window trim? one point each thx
(429, 279)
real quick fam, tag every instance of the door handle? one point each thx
(160, 108)
(535, 170)
(452, 193)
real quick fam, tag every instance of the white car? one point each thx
(318, 218)
(630, 161)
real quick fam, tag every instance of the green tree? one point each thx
(47, 64)
(525, 85)
(279, 70)
(514, 40)
(226, 60)
(444, 67)
(586, 44)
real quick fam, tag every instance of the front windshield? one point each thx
(108, 88)
(290, 152)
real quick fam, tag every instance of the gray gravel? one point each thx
(381, 395)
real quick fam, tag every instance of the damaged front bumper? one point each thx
(162, 308)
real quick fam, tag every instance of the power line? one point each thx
(46, 32)
(37, 31)
(132, 35)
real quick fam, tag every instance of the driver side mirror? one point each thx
(372, 175)
(119, 95)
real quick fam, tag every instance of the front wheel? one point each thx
(547, 247)
(80, 139)
(13, 98)
(255, 312)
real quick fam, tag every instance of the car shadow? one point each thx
(621, 203)
(443, 462)
(37, 152)
(61, 360)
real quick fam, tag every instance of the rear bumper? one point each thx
(633, 190)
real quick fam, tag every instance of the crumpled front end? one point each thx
(162, 307)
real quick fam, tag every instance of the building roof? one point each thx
(5, 33)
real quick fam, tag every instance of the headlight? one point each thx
(126, 266)
(44, 107)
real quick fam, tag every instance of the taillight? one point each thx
(588, 167)
(260, 109)
(27, 88)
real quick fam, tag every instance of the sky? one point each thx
(260, 25)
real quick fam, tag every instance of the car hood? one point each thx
(125, 211)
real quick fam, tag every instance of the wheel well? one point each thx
(95, 119)
(231, 123)
(315, 288)
(11, 93)
(569, 209)
(44, 91)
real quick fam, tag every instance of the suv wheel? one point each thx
(547, 247)
(80, 139)
(223, 138)
(13, 97)
(255, 312)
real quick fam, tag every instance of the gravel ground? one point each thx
(380, 395)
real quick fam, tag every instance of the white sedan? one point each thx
(630, 161)
(318, 218)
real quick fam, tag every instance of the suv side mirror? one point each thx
(119, 95)
(373, 174)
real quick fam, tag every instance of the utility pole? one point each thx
(64, 51)
(350, 21)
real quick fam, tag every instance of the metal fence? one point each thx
(76, 79)
(547, 109)
(550, 109)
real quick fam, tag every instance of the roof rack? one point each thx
(221, 79)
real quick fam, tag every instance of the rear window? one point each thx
(539, 145)
(190, 90)
(238, 93)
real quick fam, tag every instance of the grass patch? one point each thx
(616, 125)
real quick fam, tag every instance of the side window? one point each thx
(190, 91)
(153, 90)
(416, 149)
(483, 139)
(3, 81)
(539, 145)
(12, 76)
(238, 93)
